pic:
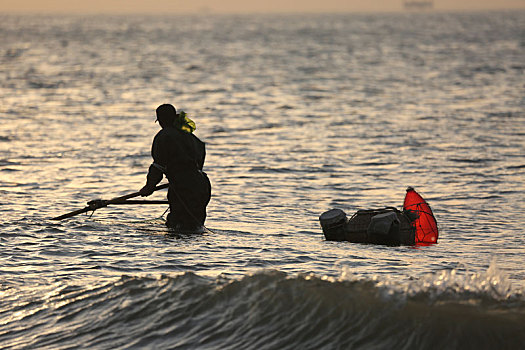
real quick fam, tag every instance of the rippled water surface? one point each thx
(300, 114)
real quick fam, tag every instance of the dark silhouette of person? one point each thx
(179, 154)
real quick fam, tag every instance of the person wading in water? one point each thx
(179, 154)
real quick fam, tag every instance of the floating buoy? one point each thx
(425, 224)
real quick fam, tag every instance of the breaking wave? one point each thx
(272, 310)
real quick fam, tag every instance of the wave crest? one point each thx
(270, 310)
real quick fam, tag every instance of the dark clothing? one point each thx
(180, 156)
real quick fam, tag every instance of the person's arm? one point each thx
(157, 168)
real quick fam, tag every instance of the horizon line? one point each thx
(211, 12)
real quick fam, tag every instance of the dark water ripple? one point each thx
(266, 310)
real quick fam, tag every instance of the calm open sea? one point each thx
(301, 114)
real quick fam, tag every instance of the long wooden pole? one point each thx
(101, 204)
(140, 201)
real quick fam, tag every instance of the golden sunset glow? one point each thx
(239, 6)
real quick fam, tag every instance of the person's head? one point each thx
(166, 115)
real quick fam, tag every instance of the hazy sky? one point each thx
(240, 6)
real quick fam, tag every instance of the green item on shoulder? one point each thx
(184, 123)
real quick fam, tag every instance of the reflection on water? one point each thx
(339, 120)
(300, 114)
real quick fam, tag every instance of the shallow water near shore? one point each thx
(300, 114)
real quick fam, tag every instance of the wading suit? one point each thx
(180, 156)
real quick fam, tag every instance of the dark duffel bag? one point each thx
(377, 226)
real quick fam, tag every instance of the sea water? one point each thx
(300, 114)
